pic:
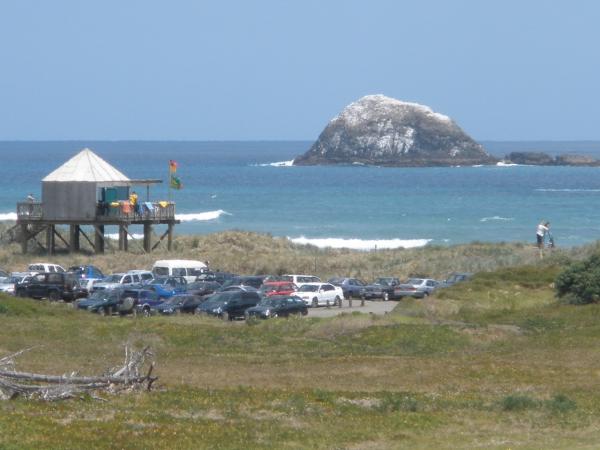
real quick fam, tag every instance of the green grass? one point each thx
(496, 362)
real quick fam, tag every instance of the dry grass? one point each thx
(253, 253)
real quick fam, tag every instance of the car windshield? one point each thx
(384, 281)
(159, 281)
(308, 288)
(98, 295)
(219, 298)
(112, 279)
(415, 281)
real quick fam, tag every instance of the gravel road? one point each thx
(371, 307)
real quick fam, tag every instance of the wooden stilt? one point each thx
(73, 238)
(147, 237)
(50, 240)
(170, 237)
(24, 238)
(99, 238)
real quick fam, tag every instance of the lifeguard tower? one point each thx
(88, 191)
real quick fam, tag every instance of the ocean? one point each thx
(251, 186)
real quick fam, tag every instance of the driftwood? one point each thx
(129, 376)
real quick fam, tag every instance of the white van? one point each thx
(187, 268)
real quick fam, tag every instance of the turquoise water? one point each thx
(234, 185)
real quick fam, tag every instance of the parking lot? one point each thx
(371, 307)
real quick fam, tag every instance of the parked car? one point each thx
(9, 284)
(147, 300)
(316, 294)
(145, 275)
(278, 306)
(181, 303)
(201, 288)
(350, 286)
(167, 287)
(229, 305)
(92, 299)
(382, 288)
(238, 288)
(50, 285)
(87, 275)
(299, 280)
(270, 288)
(219, 277)
(416, 287)
(117, 280)
(117, 300)
(4, 275)
(456, 277)
(45, 267)
(255, 281)
(187, 268)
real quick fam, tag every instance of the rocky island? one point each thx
(544, 159)
(379, 130)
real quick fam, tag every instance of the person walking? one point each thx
(543, 229)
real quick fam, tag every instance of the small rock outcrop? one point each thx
(544, 159)
(378, 130)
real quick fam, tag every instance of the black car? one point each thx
(229, 305)
(350, 286)
(201, 288)
(182, 303)
(382, 288)
(50, 285)
(278, 306)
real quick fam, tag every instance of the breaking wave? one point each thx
(506, 219)
(505, 164)
(8, 216)
(115, 236)
(360, 244)
(208, 215)
(289, 163)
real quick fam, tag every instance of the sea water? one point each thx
(252, 186)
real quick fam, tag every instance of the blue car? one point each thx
(167, 287)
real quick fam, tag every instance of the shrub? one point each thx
(579, 283)
(561, 404)
(518, 403)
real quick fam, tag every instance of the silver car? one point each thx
(416, 287)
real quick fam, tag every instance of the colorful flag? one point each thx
(172, 166)
(175, 182)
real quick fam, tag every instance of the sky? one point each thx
(280, 70)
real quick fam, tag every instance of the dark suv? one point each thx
(229, 305)
(50, 285)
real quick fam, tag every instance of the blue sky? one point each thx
(248, 70)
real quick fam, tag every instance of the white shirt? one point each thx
(541, 229)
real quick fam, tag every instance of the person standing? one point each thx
(133, 199)
(543, 229)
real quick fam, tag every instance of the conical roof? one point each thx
(86, 166)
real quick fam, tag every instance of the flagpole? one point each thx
(169, 181)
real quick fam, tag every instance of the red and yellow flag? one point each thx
(172, 166)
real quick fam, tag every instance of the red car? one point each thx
(271, 288)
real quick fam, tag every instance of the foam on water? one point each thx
(566, 190)
(8, 216)
(115, 236)
(289, 163)
(208, 215)
(487, 219)
(360, 244)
